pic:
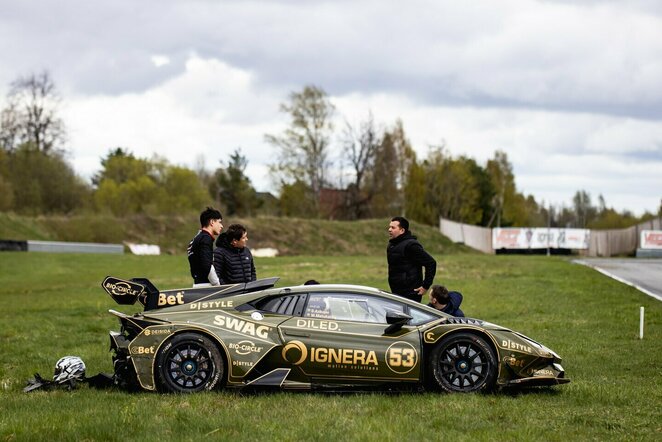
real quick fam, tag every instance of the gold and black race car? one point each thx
(310, 337)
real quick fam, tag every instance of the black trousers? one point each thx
(414, 296)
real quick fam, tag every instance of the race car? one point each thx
(312, 337)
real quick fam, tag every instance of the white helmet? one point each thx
(69, 368)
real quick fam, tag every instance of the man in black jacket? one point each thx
(406, 259)
(233, 261)
(200, 250)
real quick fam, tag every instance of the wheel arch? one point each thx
(200, 331)
(427, 347)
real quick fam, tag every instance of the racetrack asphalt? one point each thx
(643, 274)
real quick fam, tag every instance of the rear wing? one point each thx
(127, 292)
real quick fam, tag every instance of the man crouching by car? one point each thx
(445, 301)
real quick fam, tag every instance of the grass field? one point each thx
(52, 305)
(291, 236)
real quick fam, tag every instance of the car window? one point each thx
(283, 305)
(350, 307)
(419, 317)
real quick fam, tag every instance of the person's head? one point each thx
(439, 296)
(237, 236)
(211, 220)
(311, 282)
(397, 226)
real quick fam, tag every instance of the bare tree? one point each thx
(584, 211)
(31, 115)
(303, 147)
(503, 181)
(360, 148)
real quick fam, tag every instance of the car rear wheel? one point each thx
(188, 363)
(463, 362)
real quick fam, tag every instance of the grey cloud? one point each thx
(443, 53)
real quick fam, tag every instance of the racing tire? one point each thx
(188, 363)
(463, 362)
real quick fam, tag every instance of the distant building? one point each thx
(333, 203)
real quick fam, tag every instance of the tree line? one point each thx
(362, 170)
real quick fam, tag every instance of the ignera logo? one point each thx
(297, 350)
(296, 353)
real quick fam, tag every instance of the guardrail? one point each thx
(60, 247)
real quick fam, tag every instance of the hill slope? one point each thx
(291, 236)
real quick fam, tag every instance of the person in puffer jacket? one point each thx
(233, 261)
(445, 301)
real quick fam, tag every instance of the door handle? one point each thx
(297, 334)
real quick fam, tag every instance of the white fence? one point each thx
(476, 237)
(601, 242)
(620, 241)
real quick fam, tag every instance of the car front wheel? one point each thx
(463, 362)
(189, 363)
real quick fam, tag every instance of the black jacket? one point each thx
(233, 265)
(200, 255)
(453, 306)
(406, 260)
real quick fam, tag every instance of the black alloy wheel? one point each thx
(188, 363)
(463, 362)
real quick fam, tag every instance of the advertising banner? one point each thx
(651, 239)
(540, 238)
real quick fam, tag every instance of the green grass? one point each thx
(291, 236)
(52, 305)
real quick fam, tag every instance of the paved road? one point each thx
(644, 274)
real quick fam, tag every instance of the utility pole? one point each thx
(549, 226)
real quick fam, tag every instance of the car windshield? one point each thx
(420, 316)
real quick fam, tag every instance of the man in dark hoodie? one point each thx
(406, 260)
(233, 261)
(201, 248)
(445, 301)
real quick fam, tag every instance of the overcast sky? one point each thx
(570, 90)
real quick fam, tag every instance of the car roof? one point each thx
(340, 288)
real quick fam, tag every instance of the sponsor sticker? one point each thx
(296, 353)
(318, 324)
(140, 350)
(512, 361)
(176, 299)
(245, 347)
(241, 326)
(210, 305)
(401, 357)
(507, 343)
(162, 331)
(257, 316)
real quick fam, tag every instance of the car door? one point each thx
(342, 336)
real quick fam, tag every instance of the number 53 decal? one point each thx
(401, 357)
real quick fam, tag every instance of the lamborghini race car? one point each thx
(311, 337)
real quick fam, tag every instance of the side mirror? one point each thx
(396, 321)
